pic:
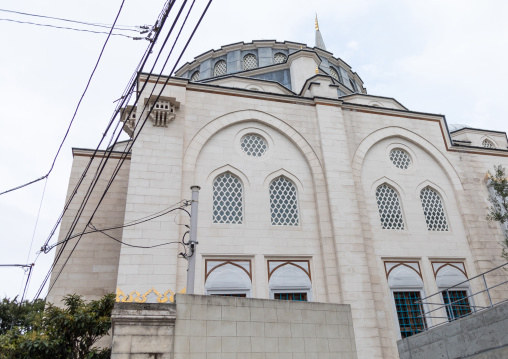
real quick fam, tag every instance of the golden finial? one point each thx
(317, 26)
(317, 71)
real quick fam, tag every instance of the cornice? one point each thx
(86, 152)
(249, 80)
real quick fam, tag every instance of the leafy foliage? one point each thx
(13, 314)
(498, 210)
(58, 332)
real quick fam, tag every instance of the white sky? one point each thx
(448, 57)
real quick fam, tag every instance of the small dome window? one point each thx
(254, 145)
(250, 62)
(195, 76)
(335, 74)
(279, 58)
(488, 144)
(220, 68)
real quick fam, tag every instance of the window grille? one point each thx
(335, 74)
(238, 295)
(254, 145)
(301, 297)
(227, 199)
(433, 210)
(487, 144)
(283, 202)
(400, 158)
(195, 76)
(220, 68)
(250, 62)
(409, 313)
(389, 208)
(459, 306)
(279, 58)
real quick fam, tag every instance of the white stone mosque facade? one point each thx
(312, 190)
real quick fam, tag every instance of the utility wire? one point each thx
(71, 28)
(73, 21)
(26, 285)
(132, 142)
(77, 107)
(159, 24)
(15, 265)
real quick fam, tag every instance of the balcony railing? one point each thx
(459, 301)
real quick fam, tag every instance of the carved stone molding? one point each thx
(163, 111)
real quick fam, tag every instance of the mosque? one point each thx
(311, 190)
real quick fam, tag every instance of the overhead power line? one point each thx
(123, 28)
(73, 29)
(77, 107)
(129, 147)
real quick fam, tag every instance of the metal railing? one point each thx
(434, 306)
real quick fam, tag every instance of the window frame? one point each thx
(399, 197)
(297, 202)
(255, 57)
(242, 200)
(421, 290)
(215, 67)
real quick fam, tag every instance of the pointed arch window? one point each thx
(390, 211)
(433, 209)
(283, 202)
(227, 199)
(195, 76)
(220, 68)
(250, 62)
(335, 74)
(487, 144)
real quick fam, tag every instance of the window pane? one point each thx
(254, 145)
(279, 58)
(459, 306)
(433, 210)
(389, 208)
(283, 202)
(250, 62)
(400, 158)
(227, 199)
(220, 68)
(239, 295)
(302, 297)
(409, 313)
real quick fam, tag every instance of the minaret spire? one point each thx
(319, 39)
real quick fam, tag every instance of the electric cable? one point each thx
(77, 107)
(159, 24)
(71, 28)
(26, 285)
(68, 20)
(123, 159)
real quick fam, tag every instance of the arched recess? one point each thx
(231, 169)
(389, 182)
(290, 278)
(288, 175)
(418, 140)
(432, 185)
(229, 278)
(218, 124)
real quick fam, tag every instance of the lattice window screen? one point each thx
(249, 62)
(283, 202)
(254, 145)
(195, 76)
(400, 158)
(433, 209)
(334, 74)
(227, 199)
(390, 211)
(279, 58)
(486, 143)
(220, 68)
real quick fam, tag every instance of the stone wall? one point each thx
(226, 327)
(481, 335)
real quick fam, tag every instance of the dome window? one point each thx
(400, 158)
(220, 68)
(254, 145)
(488, 144)
(250, 62)
(195, 76)
(335, 74)
(279, 58)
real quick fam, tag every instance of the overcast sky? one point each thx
(447, 57)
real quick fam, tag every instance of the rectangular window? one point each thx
(459, 306)
(238, 295)
(409, 313)
(302, 297)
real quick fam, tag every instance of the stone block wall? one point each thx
(481, 335)
(226, 327)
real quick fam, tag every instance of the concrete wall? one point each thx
(481, 335)
(215, 327)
